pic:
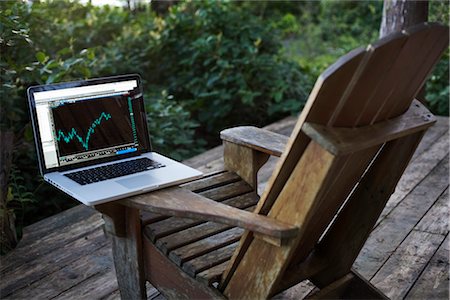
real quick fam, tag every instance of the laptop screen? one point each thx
(80, 123)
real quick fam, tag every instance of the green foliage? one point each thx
(205, 65)
(224, 66)
(437, 87)
(329, 29)
(173, 125)
(15, 46)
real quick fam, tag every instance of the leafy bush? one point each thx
(205, 66)
(437, 88)
(224, 66)
(171, 127)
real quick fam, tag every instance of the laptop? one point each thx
(93, 142)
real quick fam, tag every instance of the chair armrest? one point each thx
(180, 202)
(256, 138)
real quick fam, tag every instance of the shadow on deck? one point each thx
(68, 257)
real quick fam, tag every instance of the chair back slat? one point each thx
(327, 91)
(345, 178)
(365, 86)
(434, 44)
(385, 58)
(381, 57)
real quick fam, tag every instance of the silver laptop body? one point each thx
(85, 127)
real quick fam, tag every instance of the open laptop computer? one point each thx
(93, 143)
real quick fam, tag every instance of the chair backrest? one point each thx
(309, 185)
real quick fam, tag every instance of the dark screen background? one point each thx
(108, 117)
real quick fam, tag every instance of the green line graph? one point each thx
(133, 124)
(73, 134)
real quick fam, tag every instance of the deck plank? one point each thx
(386, 237)
(404, 267)
(70, 227)
(416, 172)
(69, 276)
(44, 265)
(67, 255)
(433, 283)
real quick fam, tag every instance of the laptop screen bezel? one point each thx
(81, 83)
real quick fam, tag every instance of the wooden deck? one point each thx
(67, 256)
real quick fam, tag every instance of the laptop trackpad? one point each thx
(137, 181)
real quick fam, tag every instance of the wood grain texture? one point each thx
(127, 254)
(398, 80)
(99, 286)
(208, 181)
(359, 100)
(212, 181)
(333, 290)
(414, 253)
(173, 283)
(256, 138)
(436, 131)
(418, 170)
(341, 141)
(192, 234)
(203, 246)
(72, 231)
(403, 268)
(347, 235)
(69, 276)
(362, 77)
(294, 205)
(221, 193)
(244, 161)
(47, 263)
(173, 225)
(209, 260)
(386, 237)
(319, 108)
(436, 220)
(212, 275)
(433, 283)
(184, 203)
(64, 248)
(437, 40)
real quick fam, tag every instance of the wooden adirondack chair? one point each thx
(350, 146)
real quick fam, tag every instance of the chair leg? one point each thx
(123, 225)
(350, 286)
(360, 288)
(345, 238)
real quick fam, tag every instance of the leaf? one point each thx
(9, 195)
(41, 57)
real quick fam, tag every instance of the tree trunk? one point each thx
(8, 236)
(401, 14)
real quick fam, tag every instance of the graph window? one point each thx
(86, 123)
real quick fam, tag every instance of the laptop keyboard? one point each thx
(114, 170)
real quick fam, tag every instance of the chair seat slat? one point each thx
(211, 182)
(212, 275)
(209, 244)
(172, 225)
(210, 186)
(209, 260)
(194, 233)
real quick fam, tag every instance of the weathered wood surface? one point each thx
(256, 138)
(181, 202)
(349, 140)
(68, 257)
